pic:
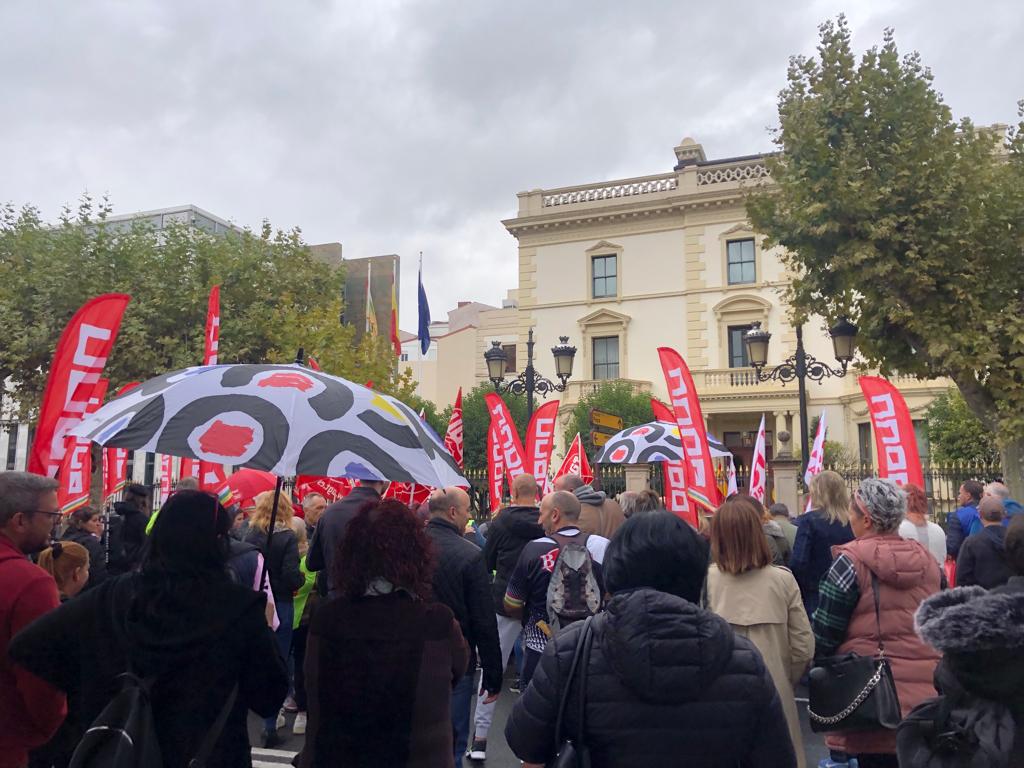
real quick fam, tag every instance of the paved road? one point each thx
(498, 753)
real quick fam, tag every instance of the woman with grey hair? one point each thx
(846, 620)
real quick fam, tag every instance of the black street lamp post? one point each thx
(801, 366)
(529, 381)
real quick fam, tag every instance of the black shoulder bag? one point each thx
(574, 753)
(854, 693)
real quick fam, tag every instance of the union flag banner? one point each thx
(453, 439)
(166, 472)
(507, 436)
(212, 327)
(495, 468)
(540, 442)
(331, 488)
(700, 471)
(759, 466)
(673, 474)
(895, 441)
(816, 462)
(75, 476)
(575, 462)
(77, 365)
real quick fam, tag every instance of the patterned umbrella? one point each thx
(284, 419)
(655, 441)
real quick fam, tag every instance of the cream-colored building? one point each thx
(622, 267)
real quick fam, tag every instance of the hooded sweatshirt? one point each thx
(511, 530)
(191, 636)
(30, 709)
(668, 683)
(598, 514)
(982, 560)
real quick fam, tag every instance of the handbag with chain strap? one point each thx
(573, 753)
(852, 692)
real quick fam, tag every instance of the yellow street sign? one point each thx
(606, 420)
(599, 438)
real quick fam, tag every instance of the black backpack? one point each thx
(124, 734)
(957, 730)
(573, 591)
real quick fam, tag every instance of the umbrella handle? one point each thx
(270, 529)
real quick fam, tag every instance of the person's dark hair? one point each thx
(974, 489)
(778, 509)
(80, 517)
(189, 537)
(572, 482)
(20, 492)
(138, 490)
(738, 541)
(658, 551)
(384, 541)
(1014, 544)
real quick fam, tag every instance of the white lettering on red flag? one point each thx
(895, 441)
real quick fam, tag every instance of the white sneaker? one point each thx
(299, 726)
(478, 751)
(281, 721)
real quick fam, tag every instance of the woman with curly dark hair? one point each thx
(381, 660)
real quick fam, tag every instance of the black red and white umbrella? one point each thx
(284, 419)
(655, 441)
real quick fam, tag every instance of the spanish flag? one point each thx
(394, 314)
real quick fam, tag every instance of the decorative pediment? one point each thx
(604, 247)
(604, 317)
(744, 303)
(742, 228)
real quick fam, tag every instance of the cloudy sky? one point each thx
(399, 127)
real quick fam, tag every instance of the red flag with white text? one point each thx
(540, 442)
(758, 484)
(453, 439)
(700, 472)
(895, 441)
(166, 472)
(77, 365)
(75, 476)
(673, 474)
(576, 462)
(331, 488)
(212, 327)
(115, 460)
(495, 468)
(512, 454)
(189, 468)
(816, 462)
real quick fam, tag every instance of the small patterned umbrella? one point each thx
(284, 419)
(655, 441)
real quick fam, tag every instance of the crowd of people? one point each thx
(636, 638)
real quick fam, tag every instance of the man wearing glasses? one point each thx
(30, 710)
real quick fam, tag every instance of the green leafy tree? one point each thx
(906, 221)
(616, 397)
(476, 421)
(275, 297)
(956, 434)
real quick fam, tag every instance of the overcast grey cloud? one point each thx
(396, 127)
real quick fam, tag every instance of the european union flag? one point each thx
(424, 310)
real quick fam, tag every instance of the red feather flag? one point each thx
(453, 439)
(540, 442)
(78, 363)
(76, 467)
(673, 474)
(895, 441)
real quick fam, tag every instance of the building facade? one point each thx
(625, 266)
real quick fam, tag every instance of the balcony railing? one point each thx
(718, 381)
(591, 192)
(579, 389)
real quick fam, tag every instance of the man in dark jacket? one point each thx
(668, 683)
(461, 582)
(134, 513)
(599, 514)
(513, 528)
(964, 521)
(30, 709)
(982, 559)
(330, 531)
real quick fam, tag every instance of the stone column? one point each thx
(636, 476)
(785, 474)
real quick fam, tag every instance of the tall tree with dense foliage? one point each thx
(957, 435)
(906, 221)
(275, 297)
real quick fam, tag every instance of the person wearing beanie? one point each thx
(846, 620)
(982, 560)
(661, 669)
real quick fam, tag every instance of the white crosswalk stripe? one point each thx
(271, 758)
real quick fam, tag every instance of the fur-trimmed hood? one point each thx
(968, 619)
(982, 636)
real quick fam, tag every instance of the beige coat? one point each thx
(764, 606)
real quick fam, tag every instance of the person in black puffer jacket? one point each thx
(668, 683)
(85, 527)
(129, 524)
